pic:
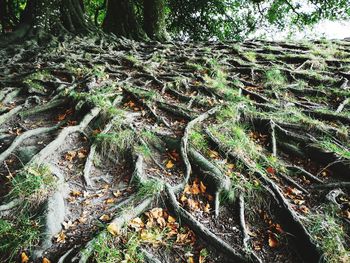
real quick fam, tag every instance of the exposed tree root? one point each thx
(246, 237)
(23, 137)
(51, 147)
(202, 231)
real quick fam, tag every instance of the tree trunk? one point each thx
(7, 17)
(121, 20)
(154, 19)
(54, 16)
(50, 17)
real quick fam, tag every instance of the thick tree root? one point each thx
(292, 220)
(54, 214)
(246, 237)
(21, 138)
(184, 143)
(115, 226)
(202, 231)
(45, 107)
(212, 175)
(305, 173)
(51, 147)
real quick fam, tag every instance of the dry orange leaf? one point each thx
(24, 257)
(207, 208)
(45, 260)
(272, 240)
(169, 164)
(110, 201)
(75, 193)
(202, 187)
(195, 190)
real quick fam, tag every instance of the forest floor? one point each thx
(119, 151)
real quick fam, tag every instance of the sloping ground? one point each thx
(118, 151)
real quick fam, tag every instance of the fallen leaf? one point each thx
(45, 260)
(117, 194)
(190, 260)
(110, 201)
(113, 229)
(75, 193)
(24, 257)
(270, 170)
(61, 237)
(195, 190)
(169, 164)
(67, 224)
(136, 223)
(279, 228)
(272, 240)
(213, 154)
(304, 209)
(202, 187)
(105, 218)
(161, 222)
(69, 156)
(156, 212)
(171, 219)
(82, 154)
(207, 208)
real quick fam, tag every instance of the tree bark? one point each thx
(54, 16)
(121, 20)
(7, 17)
(154, 22)
(49, 17)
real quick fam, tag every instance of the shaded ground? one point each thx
(118, 151)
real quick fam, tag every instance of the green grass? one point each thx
(250, 56)
(275, 78)
(100, 97)
(17, 234)
(198, 140)
(115, 142)
(149, 187)
(328, 145)
(329, 235)
(144, 150)
(33, 184)
(33, 81)
(108, 249)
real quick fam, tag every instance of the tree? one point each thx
(47, 17)
(154, 19)
(121, 19)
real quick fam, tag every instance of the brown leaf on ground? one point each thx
(24, 258)
(169, 164)
(136, 223)
(61, 237)
(272, 240)
(70, 155)
(113, 229)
